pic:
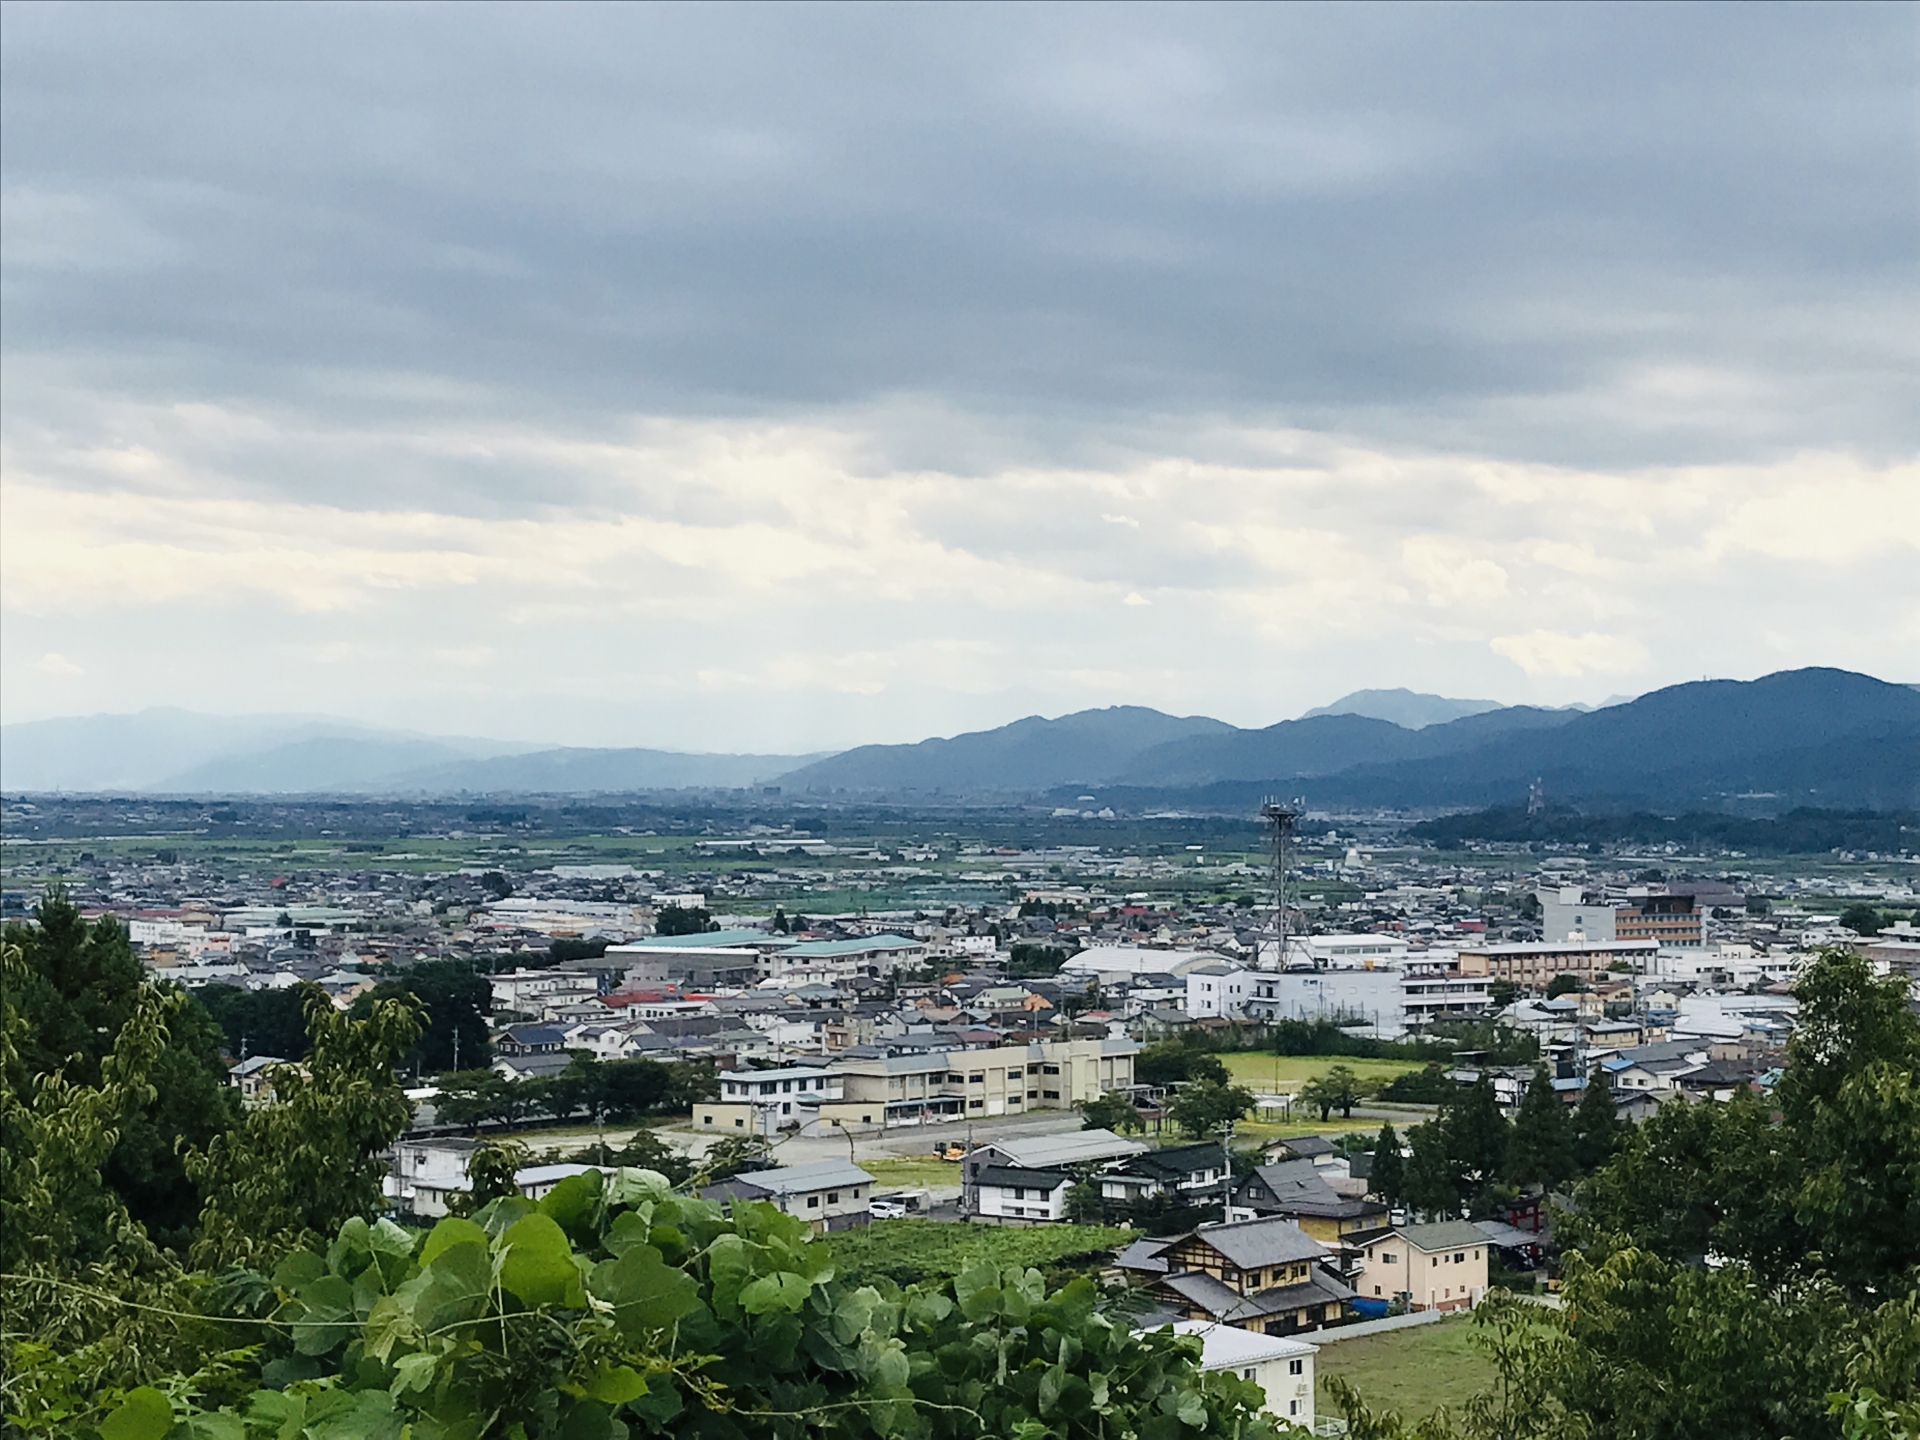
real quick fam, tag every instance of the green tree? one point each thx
(1111, 1111)
(1476, 1135)
(1863, 919)
(1596, 1129)
(682, 920)
(1339, 1089)
(258, 1022)
(1201, 1108)
(493, 1171)
(1563, 984)
(297, 1169)
(1540, 1143)
(1388, 1177)
(728, 1156)
(1428, 1183)
(454, 1001)
(77, 985)
(1168, 1062)
(1084, 1205)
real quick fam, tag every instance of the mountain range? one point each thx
(1820, 737)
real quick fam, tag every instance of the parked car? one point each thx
(887, 1207)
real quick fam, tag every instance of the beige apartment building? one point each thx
(1532, 965)
(926, 1088)
(1437, 1267)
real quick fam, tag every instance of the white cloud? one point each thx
(56, 664)
(1546, 652)
(1452, 571)
(681, 567)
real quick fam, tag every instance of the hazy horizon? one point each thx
(780, 379)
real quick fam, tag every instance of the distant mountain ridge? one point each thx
(1819, 737)
(1033, 753)
(1410, 709)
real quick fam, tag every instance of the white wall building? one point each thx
(1282, 1367)
(1568, 912)
(1218, 989)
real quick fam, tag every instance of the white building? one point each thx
(1114, 964)
(1568, 912)
(760, 1102)
(537, 993)
(1010, 1194)
(1280, 1366)
(1356, 952)
(1373, 999)
(1219, 989)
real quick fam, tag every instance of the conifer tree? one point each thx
(1540, 1149)
(1388, 1179)
(1596, 1129)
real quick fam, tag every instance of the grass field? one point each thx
(910, 1172)
(909, 1251)
(1261, 1072)
(1412, 1371)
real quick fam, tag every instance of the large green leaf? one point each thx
(449, 1232)
(576, 1206)
(780, 1291)
(647, 1296)
(323, 1315)
(538, 1262)
(729, 1268)
(617, 1384)
(459, 1285)
(145, 1414)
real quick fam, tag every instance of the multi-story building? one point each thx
(1670, 920)
(1282, 1368)
(1531, 965)
(536, 994)
(928, 1087)
(1008, 1194)
(760, 1102)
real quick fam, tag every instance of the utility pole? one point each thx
(1226, 1182)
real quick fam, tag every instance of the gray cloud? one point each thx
(1476, 227)
(790, 376)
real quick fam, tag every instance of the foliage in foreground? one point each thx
(614, 1308)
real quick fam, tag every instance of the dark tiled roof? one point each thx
(1255, 1244)
(1013, 1175)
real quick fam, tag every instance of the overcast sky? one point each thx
(788, 377)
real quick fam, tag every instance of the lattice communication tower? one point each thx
(1280, 817)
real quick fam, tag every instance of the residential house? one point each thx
(830, 1195)
(1435, 1267)
(1189, 1174)
(1009, 1194)
(426, 1174)
(252, 1077)
(1070, 1152)
(1265, 1275)
(1303, 1193)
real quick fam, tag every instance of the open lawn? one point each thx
(910, 1172)
(1264, 1073)
(1412, 1371)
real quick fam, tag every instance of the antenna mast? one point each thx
(1281, 816)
